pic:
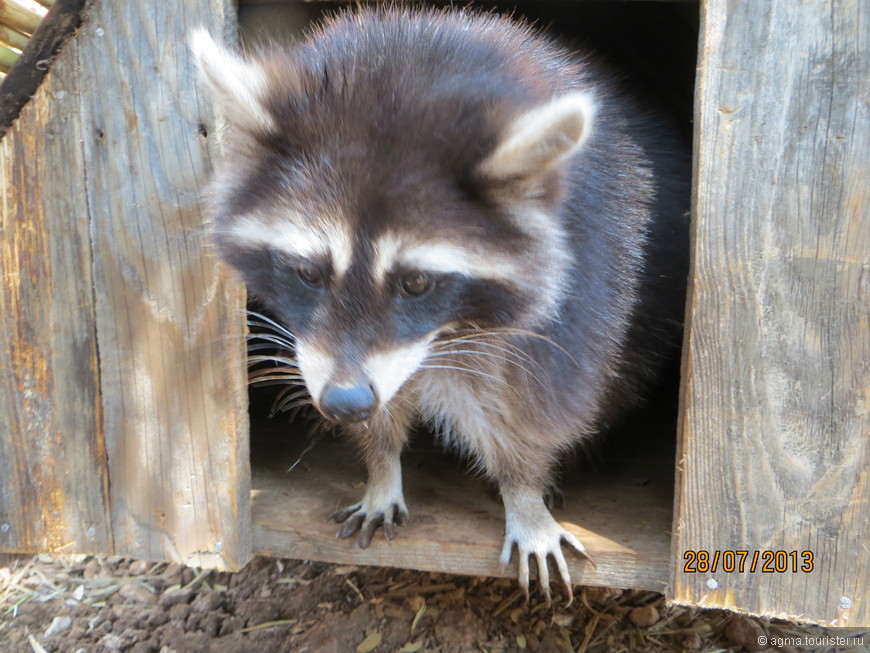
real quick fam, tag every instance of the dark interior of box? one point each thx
(617, 494)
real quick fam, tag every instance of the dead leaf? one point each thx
(563, 619)
(415, 602)
(745, 631)
(419, 615)
(504, 605)
(370, 643)
(645, 616)
(566, 640)
(269, 624)
(36, 646)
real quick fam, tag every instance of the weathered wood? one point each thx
(259, 2)
(774, 451)
(170, 329)
(457, 521)
(53, 478)
(9, 559)
(160, 430)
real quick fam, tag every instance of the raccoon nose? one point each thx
(354, 404)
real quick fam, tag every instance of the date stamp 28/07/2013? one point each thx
(743, 561)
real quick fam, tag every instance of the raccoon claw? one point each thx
(343, 514)
(355, 518)
(350, 523)
(541, 540)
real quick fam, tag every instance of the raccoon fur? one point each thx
(460, 222)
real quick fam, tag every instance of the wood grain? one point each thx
(53, 474)
(457, 522)
(775, 443)
(329, 2)
(170, 328)
(160, 430)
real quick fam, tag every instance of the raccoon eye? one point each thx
(310, 274)
(415, 284)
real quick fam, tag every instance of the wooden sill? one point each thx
(622, 513)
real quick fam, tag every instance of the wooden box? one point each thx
(123, 402)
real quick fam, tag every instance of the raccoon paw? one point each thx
(540, 536)
(366, 517)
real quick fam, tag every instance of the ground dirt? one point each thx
(85, 604)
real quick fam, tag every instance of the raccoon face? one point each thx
(370, 237)
(364, 306)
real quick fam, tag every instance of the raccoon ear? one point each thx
(237, 84)
(540, 138)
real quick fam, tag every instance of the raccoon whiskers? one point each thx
(472, 371)
(262, 379)
(316, 437)
(522, 333)
(410, 404)
(392, 418)
(512, 359)
(253, 346)
(288, 405)
(482, 339)
(283, 371)
(509, 351)
(260, 320)
(289, 394)
(282, 368)
(278, 366)
(504, 350)
(274, 340)
(281, 360)
(459, 368)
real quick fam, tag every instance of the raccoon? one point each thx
(460, 222)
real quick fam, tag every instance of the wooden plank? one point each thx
(124, 401)
(623, 516)
(53, 474)
(775, 444)
(329, 2)
(9, 559)
(170, 327)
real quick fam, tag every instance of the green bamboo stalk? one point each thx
(19, 17)
(7, 58)
(12, 38)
